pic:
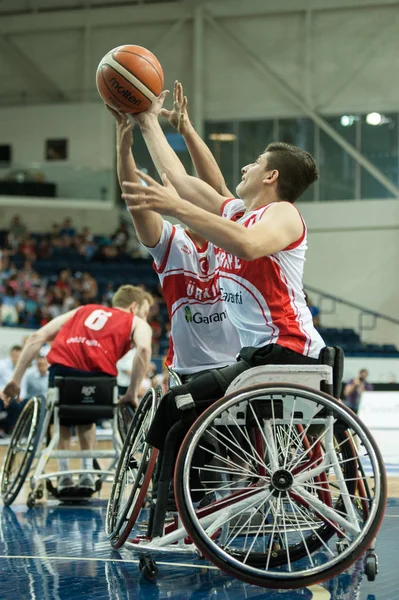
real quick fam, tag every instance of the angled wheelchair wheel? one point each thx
(281, 465)
(22, 449)
(133, 474)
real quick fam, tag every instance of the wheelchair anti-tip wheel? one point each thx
(133, 474)
(281, 464)
(22, 449)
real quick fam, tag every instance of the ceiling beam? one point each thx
(98, 17)
(30, 70)
(238, 8)
(171, 11)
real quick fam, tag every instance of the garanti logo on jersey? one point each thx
(198, 319)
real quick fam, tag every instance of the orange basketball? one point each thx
(129, 78)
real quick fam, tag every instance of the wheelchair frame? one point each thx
(41, 453)
(174, 537)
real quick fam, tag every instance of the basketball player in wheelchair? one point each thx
(86, 344)
(260, 241)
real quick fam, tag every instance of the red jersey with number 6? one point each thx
(93, 340)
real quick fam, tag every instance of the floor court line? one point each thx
(117, 560)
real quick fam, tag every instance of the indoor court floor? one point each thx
(60, 552)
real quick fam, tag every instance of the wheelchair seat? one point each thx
(325, 376)
(84, 399)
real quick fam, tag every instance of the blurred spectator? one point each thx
(156, 332)
(55, 232)
(64, 281)
(86, 245)
(17, 229)
(90, 288)
(121, 236)
(314, 311)
(45, 316)
(107, 253)
(67, 228)
(69, 303)
(354, 389)
(9, 415)
(36, 379)
(9, 308)
(7, 365)
(28, 247)
(124, 366)
(107, 295)
(167, 330)
(55, 302)
(7, 268)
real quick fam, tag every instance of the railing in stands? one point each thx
(363, 312)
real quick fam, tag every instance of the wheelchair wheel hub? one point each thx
(282, 480)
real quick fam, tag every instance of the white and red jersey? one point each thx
(93, 340)
(264, 297)
(202, 337)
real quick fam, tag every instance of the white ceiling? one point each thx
(31, 6)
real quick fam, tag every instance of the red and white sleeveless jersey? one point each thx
(94, 339)
(202, 337)
(264, 297)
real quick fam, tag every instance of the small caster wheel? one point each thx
(148, 568)
(39, 493)
(371, 566)
(31, 501)
(342, 546)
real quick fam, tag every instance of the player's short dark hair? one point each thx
(296, 167)
(16, 347)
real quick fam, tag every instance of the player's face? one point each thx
(143, 310)
(252, 179)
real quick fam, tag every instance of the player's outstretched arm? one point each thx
(204, 162)
(166, 161)
(148, 226)
(142, 336)
(30, 351)
(279, 227)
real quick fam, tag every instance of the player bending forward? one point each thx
(90, 340)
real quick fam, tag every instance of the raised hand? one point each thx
(178, 117)
(124, 127)
(154, 109)
(162, 199)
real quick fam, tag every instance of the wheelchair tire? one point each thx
(133, 473)
(249, 558)
(23, 445)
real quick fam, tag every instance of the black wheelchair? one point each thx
(74, 399)
(293, 482)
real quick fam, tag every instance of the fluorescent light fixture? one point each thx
(374, 118)
(347, 120)
(222, 137)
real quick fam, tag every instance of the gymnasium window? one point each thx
(57, 149)
(5, 155)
